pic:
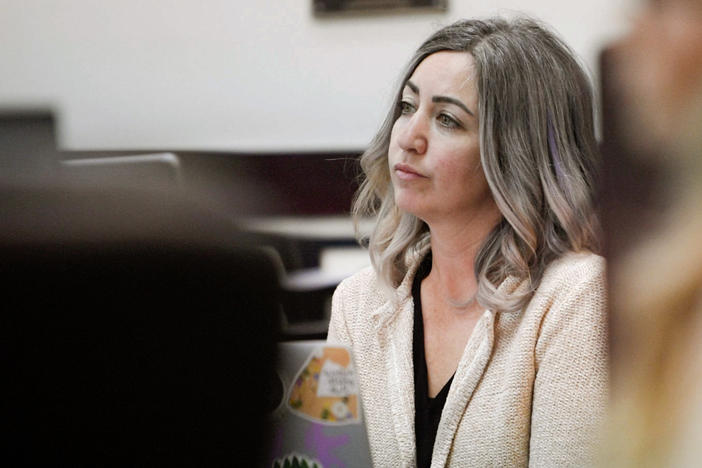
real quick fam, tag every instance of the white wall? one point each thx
(255, 75)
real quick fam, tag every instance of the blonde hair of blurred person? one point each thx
(657, 284)
(481, 178)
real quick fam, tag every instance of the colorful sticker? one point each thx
(296, 460)
(326, 390)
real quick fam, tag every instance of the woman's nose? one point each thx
(414, 135)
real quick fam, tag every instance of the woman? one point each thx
(479, 333)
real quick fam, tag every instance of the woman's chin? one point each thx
(412, 207)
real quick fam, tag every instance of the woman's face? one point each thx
(434, 152)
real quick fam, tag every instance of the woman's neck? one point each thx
(454, 247)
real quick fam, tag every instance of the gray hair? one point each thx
(537, 148)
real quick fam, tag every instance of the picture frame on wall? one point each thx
(322, 7)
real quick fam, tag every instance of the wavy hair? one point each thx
(537, 149)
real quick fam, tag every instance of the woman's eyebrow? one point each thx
(450, 100)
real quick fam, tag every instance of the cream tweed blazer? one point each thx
(529, 390)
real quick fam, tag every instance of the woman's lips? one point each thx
(406, 172)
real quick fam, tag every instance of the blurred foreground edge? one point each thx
(136, 328)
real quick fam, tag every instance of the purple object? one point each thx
(323, 445)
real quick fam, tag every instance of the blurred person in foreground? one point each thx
(479, 333)
(656, 277)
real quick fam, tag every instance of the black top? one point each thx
(427, 410)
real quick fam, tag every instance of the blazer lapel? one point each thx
(400, 381)
(394, 325)
(469, 372)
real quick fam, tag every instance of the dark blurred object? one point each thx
(633, 196)
(254, 184)
(266, 186)
(27, 142)
(291, 189)
(137, 328)
(633, 183)
(291, 184)
(338, 6)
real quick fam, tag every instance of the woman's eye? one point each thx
(406, 108)
(448, 121)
